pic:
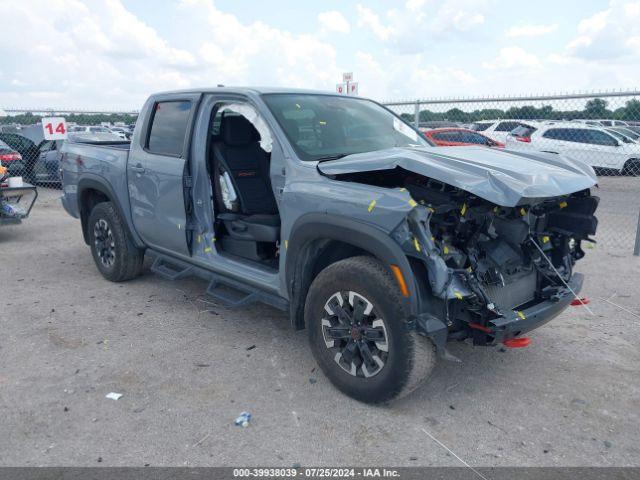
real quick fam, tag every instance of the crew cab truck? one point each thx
(338, 212)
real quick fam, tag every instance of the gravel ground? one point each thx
(187, 367)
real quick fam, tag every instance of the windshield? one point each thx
(321, 127)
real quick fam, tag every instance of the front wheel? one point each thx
(114, 253)
(358, 334)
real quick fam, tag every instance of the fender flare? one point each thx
(94, 182)
(316, 226)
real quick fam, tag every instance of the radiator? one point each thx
(517, 291)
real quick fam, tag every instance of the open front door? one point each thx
(159, 174)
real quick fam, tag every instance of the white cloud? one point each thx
(530, 30)
(368, 18)
(334, 21)
(409, 28)
(409, 75)
(513, 58)
(98, 54)
(237, 53)
(81, 52)
(608, 35)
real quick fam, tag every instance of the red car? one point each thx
(459, 137)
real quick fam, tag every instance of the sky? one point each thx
(111, 54)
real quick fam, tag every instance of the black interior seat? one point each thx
(254, 214)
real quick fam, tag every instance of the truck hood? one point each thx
(504, 177)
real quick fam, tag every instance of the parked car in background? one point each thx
(593, 123)
(591, 145)
(613, 123)
(498, 130)
(11, 160)
(437, 124)
(634, 128)
(89, 129)
(627, 132)
(47, 167)
(121, 132)
(457, 137)
(620, 136)
(27, 149)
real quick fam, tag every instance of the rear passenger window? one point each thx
(169, 127)
(600, 138)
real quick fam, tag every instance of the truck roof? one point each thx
(248, 90)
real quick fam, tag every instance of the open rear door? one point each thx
(160, 175)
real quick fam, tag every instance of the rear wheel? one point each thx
(114, 253)
(358, 332)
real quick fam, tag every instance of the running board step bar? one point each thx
(170, 269)
(226, 291)
(234, 294)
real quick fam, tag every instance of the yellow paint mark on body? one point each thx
(416, 244)
(412, 203)
(371, 205)
(463, 210)
(458, 295)
(563, 204)
(521, 315)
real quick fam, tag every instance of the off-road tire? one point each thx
(127, 261)
(410, 357)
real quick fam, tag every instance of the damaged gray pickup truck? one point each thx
(335, 210)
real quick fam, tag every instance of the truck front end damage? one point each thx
(494, 272)
(493, 235)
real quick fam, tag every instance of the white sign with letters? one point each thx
(347, 77)
(341, 88)
(55, 128)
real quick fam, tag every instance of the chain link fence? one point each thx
(602, 130)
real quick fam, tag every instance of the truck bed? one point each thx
(94, 160)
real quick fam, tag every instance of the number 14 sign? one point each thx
(55, 128)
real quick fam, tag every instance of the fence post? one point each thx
(636, 250)
(416, 114)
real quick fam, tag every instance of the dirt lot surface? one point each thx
(187, 368)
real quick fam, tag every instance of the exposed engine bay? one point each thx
(485, 260)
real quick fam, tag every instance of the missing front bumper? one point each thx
(510, 325)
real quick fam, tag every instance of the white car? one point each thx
(88, 129)
(601, 122)
(591, 145)
(626, 132)
(498, 130)
(121, 132)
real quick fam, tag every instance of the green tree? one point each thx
(596, 108)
